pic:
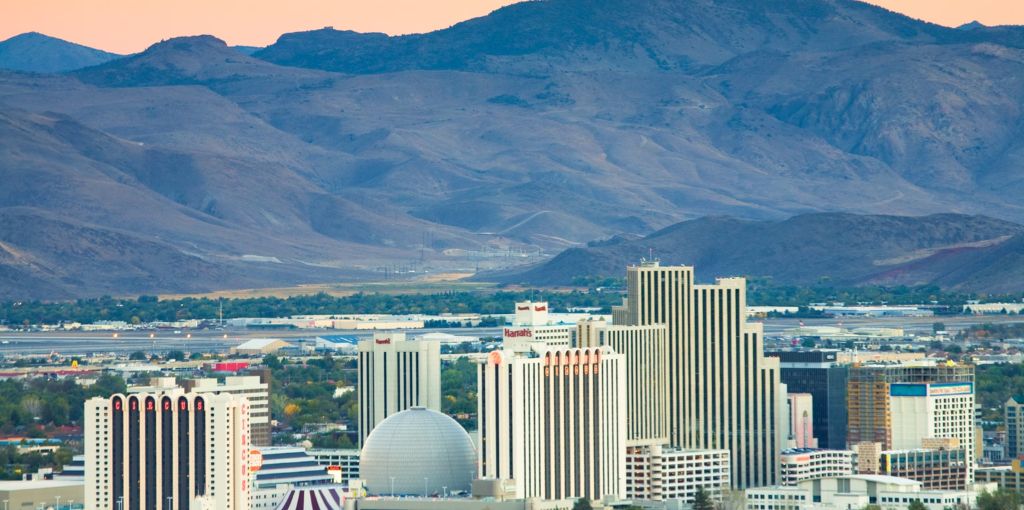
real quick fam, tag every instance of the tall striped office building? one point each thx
(723, 393)
(554, 421)
(155, 451)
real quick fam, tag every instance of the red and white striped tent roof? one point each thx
(313, 498)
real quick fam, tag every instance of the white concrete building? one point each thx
(394, 375)
(923, 411)
(252, 387)
(801, 464)
(166, 450)
(654, 473)
(856, 491)
(723, 391)
(554, 421)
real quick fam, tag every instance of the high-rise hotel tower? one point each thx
(394, 375)
(723, 392)
(152, 451)
(554, 421)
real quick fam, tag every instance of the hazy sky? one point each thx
(126, 26)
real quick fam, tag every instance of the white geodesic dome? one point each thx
(417, 451)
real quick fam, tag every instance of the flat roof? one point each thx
(20, 485)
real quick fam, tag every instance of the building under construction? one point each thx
(868, 405)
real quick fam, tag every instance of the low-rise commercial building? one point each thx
(856, 491)
(17, 495)
(935, 469)
(657, 473)
(801, 464)
(342, 464)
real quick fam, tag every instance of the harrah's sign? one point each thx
(382, 341)
(518, 333)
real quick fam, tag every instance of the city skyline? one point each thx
(121, 26)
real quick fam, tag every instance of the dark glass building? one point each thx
(818, 373)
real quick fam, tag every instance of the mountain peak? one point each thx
(199, 59)
(40, 53)
(654, 34)
(973, 25)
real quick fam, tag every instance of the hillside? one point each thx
(500, 141)
(38, 53)
(954, 251)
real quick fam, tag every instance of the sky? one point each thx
(128, 26)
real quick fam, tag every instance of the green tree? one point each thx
(582, 504)
(175, 355)
(702, 500)
(272, 362)
(917, 505)
(807, 343)
(137, 356)
(1001, 499)
(938, 326)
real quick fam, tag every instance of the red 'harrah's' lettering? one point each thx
(513, 333)
(541, 309)
(382, 341)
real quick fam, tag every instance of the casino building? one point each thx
(531, 328)
(151, 451)
(554, 422)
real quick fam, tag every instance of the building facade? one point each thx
(799, 464)
(800, 410)
(856, 491)
(935, 469)
(655, 473)
(928, 411)
(395, 375)
(165, 450)
(531, 328)
(723, 392)
(819, 374)
(342, 464)
(255, 388)
(1014, 412)
(645, 349)
(868, 395)
(554, 421)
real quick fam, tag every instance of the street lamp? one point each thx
(120, 503)
(425, 490)
(58, 502)
(392, 486)
(169, 500)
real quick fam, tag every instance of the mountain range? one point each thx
(501, 140)
(970, 253)
(37, 53)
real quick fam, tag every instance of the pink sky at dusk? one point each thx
(127, 26)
